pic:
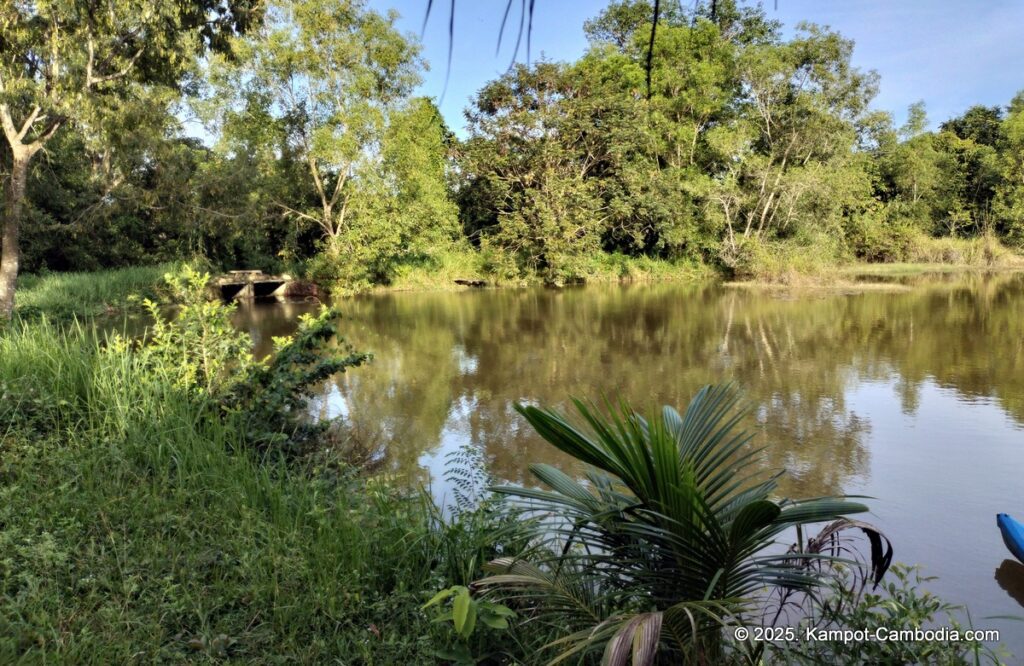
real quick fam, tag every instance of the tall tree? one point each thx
(63, 61)
(786, 159)
(331, 79)
(1010, 194)
(528, 151)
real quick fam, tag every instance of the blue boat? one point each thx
(1013, 534)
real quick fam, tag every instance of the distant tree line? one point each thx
(315, 156)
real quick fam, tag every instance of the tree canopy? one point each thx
(749, 146)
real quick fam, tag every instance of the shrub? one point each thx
(901, 604)
(273, 397)
(783, 261)
(879, 239)
(667, 539)
(199, 349)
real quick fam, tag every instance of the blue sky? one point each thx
(949, 53)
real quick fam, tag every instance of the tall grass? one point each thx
(617, 267)
(981, 252)
(66, 295)
(439, 271)
(135, 526)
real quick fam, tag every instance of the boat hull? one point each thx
(1013, 534)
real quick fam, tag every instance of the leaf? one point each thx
(460, 610)
(638, 638)
(467, 629)
(493, 621)
(439, 597)
(751, 518)
(497, 609)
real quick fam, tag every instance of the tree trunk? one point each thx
(10, 253)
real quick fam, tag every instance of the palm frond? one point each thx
(667, 538)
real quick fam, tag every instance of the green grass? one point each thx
(135, 526)
(86, 294)
(440, 271)
(944, 255)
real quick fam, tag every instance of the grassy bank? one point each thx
(447, 270)
(808, 262)
(802, 264)
(159, 504)
(822, 264)
(86, 294)
(136, 527)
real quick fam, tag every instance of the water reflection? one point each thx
(451, 365)
(913, 394)
(1010, 576)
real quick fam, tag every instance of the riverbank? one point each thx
(65, 296)
(469, 268)
(138, 522)
(141, 520)
(89, 294)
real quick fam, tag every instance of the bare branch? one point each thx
(8, 125)
(91, 79)
(27, 125)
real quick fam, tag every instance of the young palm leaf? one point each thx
(667, 538)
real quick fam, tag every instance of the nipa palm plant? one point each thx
(672, 534)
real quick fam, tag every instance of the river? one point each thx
(912, 394)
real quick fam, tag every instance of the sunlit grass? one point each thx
(135, 526)
(64, 295)
(439, 271)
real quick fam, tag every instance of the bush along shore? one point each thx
(169, 502)
(116, 292)
(729, 145)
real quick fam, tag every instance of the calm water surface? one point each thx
(913, 397)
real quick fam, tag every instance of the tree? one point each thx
(1010, 193)
(64, 62)
(981, 124)
(621, 22)
(911, 168)
(404, 212)
(786, 161)
(654, 154)
(527, 150)
(323, 89)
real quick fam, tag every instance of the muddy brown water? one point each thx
(914, 397)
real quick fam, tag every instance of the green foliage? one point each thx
(751, 146)
(272, 399)
(876, 239)
(901, 604)
(92, 66)
(134, 524)
(745, 139)
(81, 294)
(668, 538)
(541, 209)
(199, 349)
(346, 156)
(1009, 203)
(466, 614)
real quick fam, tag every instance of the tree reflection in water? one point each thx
(449, 366)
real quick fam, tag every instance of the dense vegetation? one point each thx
(755, 154)
(168, 499)
(168, 502)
